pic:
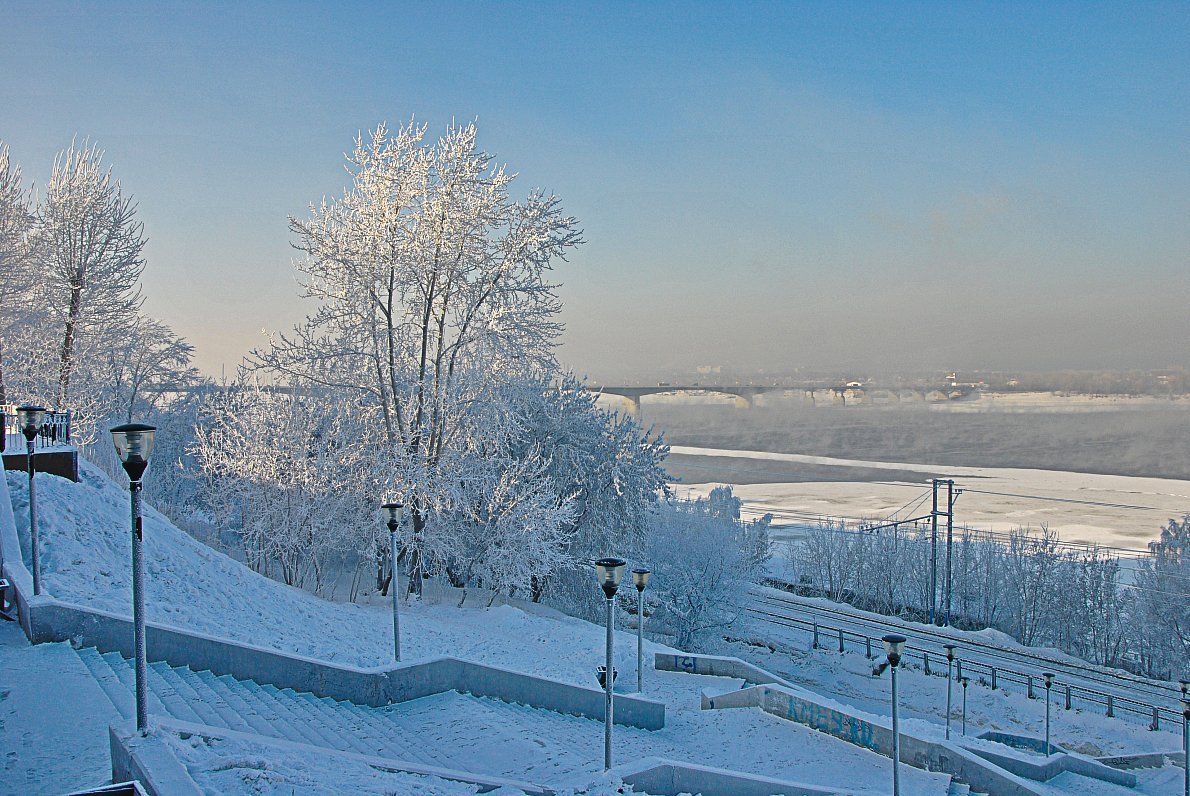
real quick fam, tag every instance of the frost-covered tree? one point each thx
(88, 248)
(432, 292)
(606, 464)
(145, 371)
(282, 469)
(16, 285)
(704, 559)
(1162, 605)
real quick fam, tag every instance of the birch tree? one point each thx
(88, 250)
(15, 287)
(432, 289)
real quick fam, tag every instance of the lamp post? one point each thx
(30, 418)
(1186, 736)
(134, 445)
(640, 579)
(1049, 683)
(394, 510)
(894, 646)
(609, 571)
(963, 682)
(949, 666)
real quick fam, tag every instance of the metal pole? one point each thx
(934, 555)
(1047, 720)
(964, 707)
(1186, 747)
(608, 676)
(33, 521)
(138, 610)
(896, 740)
(392, 537)
(640, 640)
(949, 663)
(949, 542)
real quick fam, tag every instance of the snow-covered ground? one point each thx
(85, 554)
(1138, 509)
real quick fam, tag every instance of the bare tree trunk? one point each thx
(3, 392)
(66, 367)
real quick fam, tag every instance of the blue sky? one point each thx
(763, 185)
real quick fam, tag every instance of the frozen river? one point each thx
(1118, 511)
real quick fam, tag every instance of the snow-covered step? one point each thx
(448, 730)
(109, 682)
(235, 698)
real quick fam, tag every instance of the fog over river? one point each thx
(1053, 460)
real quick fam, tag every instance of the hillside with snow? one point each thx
(86, 553)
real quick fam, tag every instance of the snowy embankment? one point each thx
(86, 552)
(86, 559)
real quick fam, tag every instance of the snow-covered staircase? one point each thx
(448, 730)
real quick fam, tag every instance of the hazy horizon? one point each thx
(870, 187)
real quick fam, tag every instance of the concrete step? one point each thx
(109, 682)
(450, 730)
(236, 699)
(126, 672)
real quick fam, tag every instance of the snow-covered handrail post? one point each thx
(1049, 684)
(949, 680)
(894, 646)
(640, 578)
(963, 682)
(394, 511)
(30, 418)
(609, 571)
(134, 445)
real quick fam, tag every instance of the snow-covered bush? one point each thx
(703, 559)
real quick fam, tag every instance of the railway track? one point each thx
(1117, 693)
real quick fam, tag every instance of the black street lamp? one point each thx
(1049, 683)
(30, 418)
(394, 511)
(894, 647)
(134, 445)
(949, 667)
(640, 579)
(963, 682)
(609, 571)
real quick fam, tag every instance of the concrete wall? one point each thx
(661, 777)
(149, 761)
(1045, 768)
(867, 730)
(50, 620)
(715, 666)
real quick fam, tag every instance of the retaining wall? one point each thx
(869, 731)
(661, 777)
(46, 619)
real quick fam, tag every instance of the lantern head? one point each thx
(134, 445)
(610, 571)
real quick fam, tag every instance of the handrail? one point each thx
(825, 635)
(55, 430)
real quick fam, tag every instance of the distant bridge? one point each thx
(744, 395)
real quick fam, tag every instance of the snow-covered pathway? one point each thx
(53, 719)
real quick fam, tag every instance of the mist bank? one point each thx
(1140, 441)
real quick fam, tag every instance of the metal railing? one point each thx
(987, 672)
(55, 430)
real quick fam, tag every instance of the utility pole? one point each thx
(951, 495)
(934, 554)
